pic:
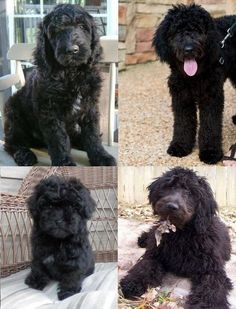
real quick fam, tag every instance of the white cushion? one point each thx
(99, 291)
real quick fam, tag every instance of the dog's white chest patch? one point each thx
(77, 128)
(76, 105)
(49, 260)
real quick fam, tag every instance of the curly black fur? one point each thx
(190, 33)
(60, 209)
(58, 106)
(197, 250)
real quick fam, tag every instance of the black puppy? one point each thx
(197, 248)
(58, 106)
(189, 40)
(61, 250)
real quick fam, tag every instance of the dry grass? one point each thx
(143, 213)
(154, 298)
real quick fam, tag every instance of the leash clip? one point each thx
(225, 38)
(228, 35)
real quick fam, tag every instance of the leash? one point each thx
(230, 32)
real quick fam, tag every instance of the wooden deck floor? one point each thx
(80, 157)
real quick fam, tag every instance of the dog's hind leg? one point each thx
(146, 273)
(210, 290)
(16, 143)
(23, 156)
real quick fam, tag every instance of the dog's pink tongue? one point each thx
(190, 67)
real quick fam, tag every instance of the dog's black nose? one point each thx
(188, 48)
(74, 49)
(172, 206)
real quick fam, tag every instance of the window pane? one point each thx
(27, 7)
(101, 23)
(93, 6)
(33, 6)
(26, 29)
(4, 44)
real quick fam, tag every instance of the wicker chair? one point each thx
(15, 225)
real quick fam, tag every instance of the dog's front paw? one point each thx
(25, 157)
(142, 240)
(131, 289)
(179, 150)
(103, 160)
(37, 283)
(62, 294)
(67, 161)
(210, 156)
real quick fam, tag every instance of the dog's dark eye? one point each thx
(82, 26)
(57, 29)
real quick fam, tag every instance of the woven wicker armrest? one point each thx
(91, 177)
(16, 226)
(14, 234)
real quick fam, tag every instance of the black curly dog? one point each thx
(197, 250)
(58, 106)
(60, 209)
(188, 39)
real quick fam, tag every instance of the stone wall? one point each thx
(138, 20)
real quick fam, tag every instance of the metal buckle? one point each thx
(225, 38)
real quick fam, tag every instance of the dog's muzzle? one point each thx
(73, 49)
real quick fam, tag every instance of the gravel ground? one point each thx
(146, 118)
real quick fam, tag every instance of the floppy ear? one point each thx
(96, 48)
(169, 178)
(153, 189)
(160, 40)
(32, 202)
(43, 53)
(206, 206)
(46, 189)
(212, 46)
(83, 200)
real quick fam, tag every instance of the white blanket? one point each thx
(99, 291)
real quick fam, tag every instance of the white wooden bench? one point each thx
(22, 52)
